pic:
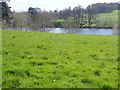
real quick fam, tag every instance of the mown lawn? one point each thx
(46, 60)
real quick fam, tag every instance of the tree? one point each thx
(20, 20)
(33, 17)
(91, 15)
(38, 19)
(105, 7)
(70, 24)
(5, 14)
(79, 15)
(64, 14)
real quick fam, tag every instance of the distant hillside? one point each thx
(107, 19)
(113, 15)
(105, 7)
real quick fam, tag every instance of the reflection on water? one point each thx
(56, 30)
(64, 30)
(96, 31)
(76, 31)
(85, 31)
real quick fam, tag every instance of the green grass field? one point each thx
(108, 19)
(47, 60)
(0, 58)
(110, 16)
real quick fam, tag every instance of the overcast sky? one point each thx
(23, 5)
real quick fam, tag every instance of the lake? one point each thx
(84, 31)
(76, 31)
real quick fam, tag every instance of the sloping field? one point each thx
(110, 19)
(46, 60)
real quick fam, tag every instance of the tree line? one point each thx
(36, 18)
(105, 7)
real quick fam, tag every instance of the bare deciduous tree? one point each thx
(70, 24)
(20, 20)
(39, 20)
(92, 15)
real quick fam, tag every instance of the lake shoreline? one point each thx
(91, 31)
(99, 27)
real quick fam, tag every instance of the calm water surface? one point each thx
(85, 31)
(77, 31)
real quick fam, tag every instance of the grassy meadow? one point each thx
(113, 16)
(47, 60)
(0, 58)
(108, 19)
